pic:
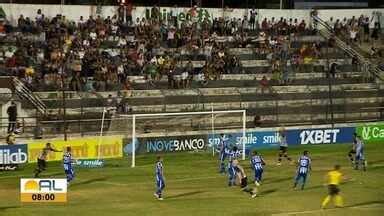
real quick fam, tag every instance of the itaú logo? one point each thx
(372, 132)
(43, 185)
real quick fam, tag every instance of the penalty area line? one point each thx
(144, 183)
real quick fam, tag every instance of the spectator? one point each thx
(12, 117)
(264, 84)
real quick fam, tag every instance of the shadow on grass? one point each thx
(367, 203)
(266, 192)
(89, 181)
(268, 181)
(3, 208)
(185, 194)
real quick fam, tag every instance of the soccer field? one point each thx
(194, 187)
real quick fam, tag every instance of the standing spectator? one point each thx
(252, 20)
(12, 117)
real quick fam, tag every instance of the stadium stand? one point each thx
(284, 72)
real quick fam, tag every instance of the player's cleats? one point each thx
(160, 198)
(278, 164)
(257, 183)
(254, 195)
(156, 195)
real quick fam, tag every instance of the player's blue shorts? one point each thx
(301, 176)
(258, 174)
(160, 183)
(69, 172)
(360, 155)
(222, 156)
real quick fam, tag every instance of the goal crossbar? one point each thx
(212, 112)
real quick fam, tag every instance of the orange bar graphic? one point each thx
(43, 197)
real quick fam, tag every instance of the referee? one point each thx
(333, 178)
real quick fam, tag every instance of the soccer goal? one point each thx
(178, 131)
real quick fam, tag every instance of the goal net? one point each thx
(176, 132)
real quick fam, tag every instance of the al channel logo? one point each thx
(43, 190)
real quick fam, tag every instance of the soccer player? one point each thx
(67, 162)
(42, 159)
(232, 156)
(352, 152)
(304, 166)
(160, 183)
(333, 179)
(257, 164)
(283, 147)
(359, 158)
(223, 151)
(240, 172)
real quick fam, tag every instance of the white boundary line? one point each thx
(144, 183)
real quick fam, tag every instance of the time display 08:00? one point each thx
(47, 197)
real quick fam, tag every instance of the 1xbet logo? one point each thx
(319, 136)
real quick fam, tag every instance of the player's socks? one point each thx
(339, 201)
(325, 201)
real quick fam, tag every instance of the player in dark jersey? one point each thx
(303, 168)
(42, 159)
(283, 145)
(160, 183)
(352, 152)
(240, 172)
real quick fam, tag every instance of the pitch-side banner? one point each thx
(82, 148)
(167, 144)
(371, 132)
(322, 135)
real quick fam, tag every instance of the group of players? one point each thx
(334, 177)
(67, 162)
(236, 173)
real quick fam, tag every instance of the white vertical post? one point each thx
(133, 140)
(281, 4)
(213, 131)
(101, 133)
(244, 129)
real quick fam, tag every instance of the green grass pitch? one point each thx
(194, 187)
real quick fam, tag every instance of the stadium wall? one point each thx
(73, 12)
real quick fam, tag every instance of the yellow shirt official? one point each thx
(334, 177)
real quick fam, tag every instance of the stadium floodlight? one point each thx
(212, 115)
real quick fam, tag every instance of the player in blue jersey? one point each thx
(232, 170)
(257, 164)
(67, 162)
(223, 152)
(359, 157)
(303, 168)
(160, 183)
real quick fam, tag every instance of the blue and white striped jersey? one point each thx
(159, 168)
(304, 164)
(233, 155)
(359, 145)
(222, 145)
(257, 162)
(67, 158)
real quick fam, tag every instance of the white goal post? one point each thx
(212, 113)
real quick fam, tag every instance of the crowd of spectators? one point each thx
(103, 53)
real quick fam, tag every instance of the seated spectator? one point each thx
(264, 85)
